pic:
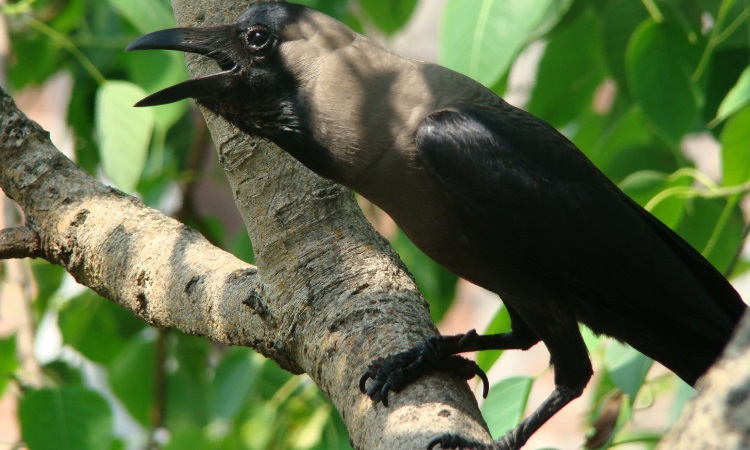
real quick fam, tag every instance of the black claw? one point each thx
(456, 442)
(384, 394)
(363, 382)
(374, 392)
(485, 382)
(447, 441)
(434, 442)
(435, 354)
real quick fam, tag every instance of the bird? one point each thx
(487, 190)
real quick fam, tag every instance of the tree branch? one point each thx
(328, 296)
(18, 242)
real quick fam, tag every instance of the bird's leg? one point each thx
(518, 436)
(572, 368)
(439, 354)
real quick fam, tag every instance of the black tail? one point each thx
(690, 348)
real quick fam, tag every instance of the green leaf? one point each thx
(96, 327)
(389, 15)
(48, 278)
(131, 376)
(499, 324)
(235, 379)
(568, 73)
(627, 367)
(618, 19)
(699, 228)
(68, 418)
(242, 247)
(189, 438)
(124, 132)
(738, 97)
(145, 15)
(8, 361)
(188, 400)
(504, 407)
(481, 38)
(61, 373)
(311, 431)
(627, 146)
(658, 63)
(624, 415)
(70, 17)
(645, 185)
(154, 71)
(723, 72)
(41, 60)
(683, 394)
(735, 149)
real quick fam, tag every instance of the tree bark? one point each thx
(328, 296)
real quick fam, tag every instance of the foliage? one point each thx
(627, 81)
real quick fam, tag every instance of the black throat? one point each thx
(275, 112)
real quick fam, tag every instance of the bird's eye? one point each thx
(258, 39)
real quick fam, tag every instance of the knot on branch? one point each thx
(19, 242)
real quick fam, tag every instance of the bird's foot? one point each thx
(456, 442)
(436, 354)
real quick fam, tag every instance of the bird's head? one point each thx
(263, 58)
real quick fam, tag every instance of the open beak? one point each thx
(213, 42)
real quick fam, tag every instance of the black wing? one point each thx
(543, 202)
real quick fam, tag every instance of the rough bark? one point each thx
(328, 295)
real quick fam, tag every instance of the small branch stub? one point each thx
(19, 242)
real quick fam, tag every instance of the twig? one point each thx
(19, 242)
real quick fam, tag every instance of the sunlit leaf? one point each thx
(499, 324)
(124, 132)
(504, 407)
(8, 361)
(481, 38)
(735, 149)
(627, 367)
(157, 70)
(737, 97)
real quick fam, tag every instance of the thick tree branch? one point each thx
(162, 271)
(329, 294)
(346, 296)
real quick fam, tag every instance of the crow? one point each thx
(489, 191)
